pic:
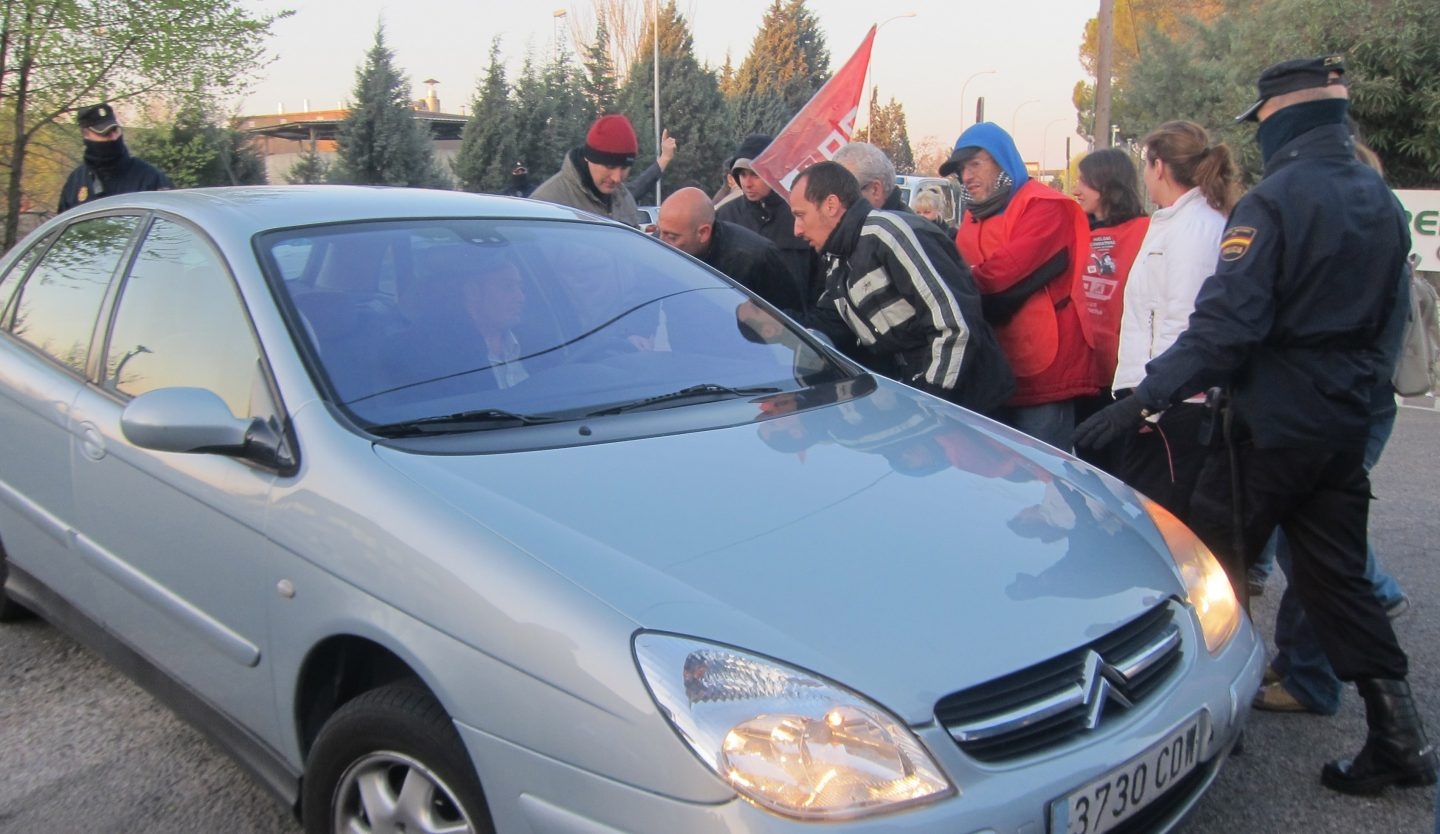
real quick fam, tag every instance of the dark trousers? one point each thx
(1321, 500)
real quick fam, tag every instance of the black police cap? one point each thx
(98, 117)
(1292, 75)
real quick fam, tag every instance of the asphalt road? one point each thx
(82, 749)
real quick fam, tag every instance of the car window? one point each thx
(179, 322)
(434, 317)
(58, 303)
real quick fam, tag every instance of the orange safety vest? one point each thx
(1112, 253)
(1031, 340)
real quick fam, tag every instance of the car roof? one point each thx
(247, 210)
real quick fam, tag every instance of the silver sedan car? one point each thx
(446, 513)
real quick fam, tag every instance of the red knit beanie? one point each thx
(611, 141)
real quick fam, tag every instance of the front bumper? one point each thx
(533, 794)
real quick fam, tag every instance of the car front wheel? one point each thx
(391, 760)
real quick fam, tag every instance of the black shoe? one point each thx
(1396, 751)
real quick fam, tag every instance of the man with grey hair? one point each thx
(1294, 323)
(875, 173)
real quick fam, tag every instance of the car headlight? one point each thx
(1206, 584)
(783, 738)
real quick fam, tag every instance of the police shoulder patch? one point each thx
(1236, 242)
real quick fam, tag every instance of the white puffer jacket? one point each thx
(1179, 252)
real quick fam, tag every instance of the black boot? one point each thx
(1395, 752)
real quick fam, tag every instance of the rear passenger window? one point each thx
(58, 304)
(180, 322)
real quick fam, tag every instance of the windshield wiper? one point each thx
(707, 391)
(479, 419)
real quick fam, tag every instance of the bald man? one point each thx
(688, 223)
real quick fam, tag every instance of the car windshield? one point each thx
(473, 324)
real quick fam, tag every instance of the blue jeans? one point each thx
(1299, 660)
(1051, 423)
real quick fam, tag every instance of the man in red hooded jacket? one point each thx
(1027, 245)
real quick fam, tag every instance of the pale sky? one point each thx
(1031, 46)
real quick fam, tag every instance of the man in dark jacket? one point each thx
(1293, 320)
(896, 290)
(761, 210)
(108, 168)
(687, 222)
(592, 176)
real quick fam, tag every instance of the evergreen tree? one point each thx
(601, 89)
(195, 150)
(530, 115)
(566, 103)
(727, 78)
(488, 145)
(551, 114)
(691, 106)
(787, 64)
(887, 132)
(309, 169)
(380, 142)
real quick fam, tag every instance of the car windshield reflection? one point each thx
(413, 322)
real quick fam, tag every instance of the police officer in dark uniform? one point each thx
(1308, 279)
(108, 168)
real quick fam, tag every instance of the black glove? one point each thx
(1110, 423)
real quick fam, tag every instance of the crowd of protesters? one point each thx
(1229, 355)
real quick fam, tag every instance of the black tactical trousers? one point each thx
(1321, 499)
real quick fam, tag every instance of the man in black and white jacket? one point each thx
(897, 296)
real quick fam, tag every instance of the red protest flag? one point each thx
(823, 126)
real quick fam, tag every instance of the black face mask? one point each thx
(1287, 123)
(104, 154)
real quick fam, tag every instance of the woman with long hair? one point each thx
(1108, 189)
(1195, 184)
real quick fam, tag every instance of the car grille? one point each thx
(1049, 703)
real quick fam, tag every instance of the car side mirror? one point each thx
(196, 421)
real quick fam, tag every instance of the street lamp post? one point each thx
(558, 29)
(1016, 114)
(656, 56)
(1045, 140)
(870, 109)
(963, 117)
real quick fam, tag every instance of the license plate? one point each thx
(1108, 801)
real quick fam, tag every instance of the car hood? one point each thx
(901, 546)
